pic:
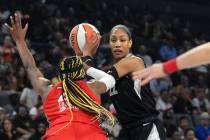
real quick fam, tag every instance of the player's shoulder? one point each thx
(132, 57)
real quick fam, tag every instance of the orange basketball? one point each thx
(79, 34)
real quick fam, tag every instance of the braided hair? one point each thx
(70, 70)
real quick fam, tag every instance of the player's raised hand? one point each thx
(18, 33)
(92, 44)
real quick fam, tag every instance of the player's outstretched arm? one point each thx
(18, 33)
(194, 57)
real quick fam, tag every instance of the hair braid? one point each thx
(71, 70)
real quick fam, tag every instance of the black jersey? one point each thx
(131, 101)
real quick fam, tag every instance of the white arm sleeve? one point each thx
(101, 76)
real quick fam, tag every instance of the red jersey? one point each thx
(58, 113)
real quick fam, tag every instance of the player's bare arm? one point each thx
(196, 56)
(128, 65)
(39, 83)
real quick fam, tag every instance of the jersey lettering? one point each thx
(113, 91)
(62, 103)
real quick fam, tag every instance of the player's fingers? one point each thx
(26, 27)
(139, 74)
(12, 21)
(95, 40)
(99, 36)
(7, 27)
(17, 20)
(145, 81)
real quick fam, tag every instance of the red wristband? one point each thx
(170, 66)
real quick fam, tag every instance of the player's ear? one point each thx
(130, 43)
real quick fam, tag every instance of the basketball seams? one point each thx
(88, 29)
(73, 39)
(93, 27)
(78, 48)
(79, 34)
(81, 37)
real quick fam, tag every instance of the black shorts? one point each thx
(148, 131)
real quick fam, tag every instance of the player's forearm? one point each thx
(25, 54)
(197, 56)
(101, 76)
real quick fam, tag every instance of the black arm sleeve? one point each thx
(88, 60)
(112, 71)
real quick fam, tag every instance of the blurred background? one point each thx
(162, 29)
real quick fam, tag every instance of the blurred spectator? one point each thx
(33, 113)
(142, 52)
(22, 123)
(167, 51)
(4, 14)
(2, 116)
(183, 125)
(8, 133)
(29, 97)
(202, 130)
(184, 81)
(169, 123)
(182, 96)
(21, 77)
(182, 105)
(163, 103)
(202, 82)
(190, 134)
(41, 116)
(177, 135)
(56, 55)
(158, 85)
(39, 131)
(47, 68)
(200, 102)
(7, 49)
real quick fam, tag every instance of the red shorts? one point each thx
(77, 131)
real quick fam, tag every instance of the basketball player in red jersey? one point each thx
(199, 55)
(71, 106)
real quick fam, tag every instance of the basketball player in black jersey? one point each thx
(135, 105)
